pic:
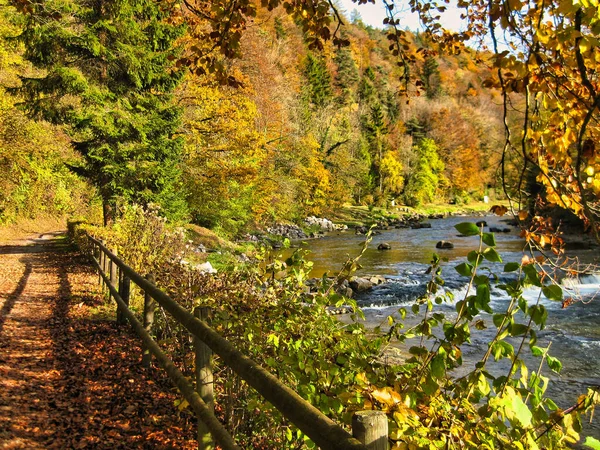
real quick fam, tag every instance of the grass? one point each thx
(209, 239)
(362, 215)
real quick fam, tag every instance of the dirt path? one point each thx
(67, 381)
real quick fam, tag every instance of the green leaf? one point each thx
(537, 351)
(481, 279)
(417, 351)
(519, 411)
(489, 239)
(539, 314)
(518, 329)
(491, 255)
(483, 298)
(511, 267)
(473, 257)
(592, 443)
(464, 269)
(467, 229)
(531, 275)
(430, 387)
(438, 366)
(502, 349)
(498, 319)
(553, 292)
(551, 405)
(554, 364)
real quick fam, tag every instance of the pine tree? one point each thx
(347, 74)
(108, 78)
(415, 129)
(366, 88)
(318, 87)
(430, 76)
(376, 129)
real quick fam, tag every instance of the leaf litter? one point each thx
(67, 380)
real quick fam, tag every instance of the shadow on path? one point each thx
(9, 302)
(69, 382)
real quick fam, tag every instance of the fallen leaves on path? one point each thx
(70, 382)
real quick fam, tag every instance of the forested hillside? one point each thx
(299, 132)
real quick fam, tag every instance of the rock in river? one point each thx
(360, 284)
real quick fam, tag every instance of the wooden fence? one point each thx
(369, 427)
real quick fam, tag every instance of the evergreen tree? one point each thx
(430, 76)
(392, 105)
(318, 87)
(415, 129)
(347, 74)
(366, 88)
(108, 78)
(376, 129)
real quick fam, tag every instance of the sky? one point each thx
(373, 14)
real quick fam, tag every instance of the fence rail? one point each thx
(312, 422)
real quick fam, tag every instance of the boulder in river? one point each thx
(384, 246)
(361, 230)
(324, 224)
(360, 284)
(377, 279)
(416, 226)
(499, 230)
(444, 245)
(481, 223)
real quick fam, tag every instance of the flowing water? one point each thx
(573, 331)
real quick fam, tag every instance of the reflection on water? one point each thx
(574, 331)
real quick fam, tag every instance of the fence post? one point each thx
(371, 428)
(124, 291)
(113, 270)
(149, 307)
(204, 380)
(102, 262)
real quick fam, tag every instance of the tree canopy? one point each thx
(104, 73)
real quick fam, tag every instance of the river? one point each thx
(574, 331)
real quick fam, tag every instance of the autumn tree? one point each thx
(34, 181)
(223, 155)
(426, 177)
(106, 75)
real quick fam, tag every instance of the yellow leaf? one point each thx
(383, 396)
(183, 405)
(361, 378)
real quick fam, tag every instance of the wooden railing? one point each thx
(370, 427)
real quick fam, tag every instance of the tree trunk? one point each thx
(108, 212)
